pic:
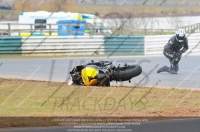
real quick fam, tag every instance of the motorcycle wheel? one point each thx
(127, 73)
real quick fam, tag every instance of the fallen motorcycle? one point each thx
(101, 73)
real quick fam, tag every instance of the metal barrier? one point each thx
(26, 30)
(17, 29)
(124, 45)
(195, 28)
(67, 45)
(92, 45)
(10, 45)
(72, 45)
(154, 44)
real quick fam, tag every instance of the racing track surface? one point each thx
(57, 70)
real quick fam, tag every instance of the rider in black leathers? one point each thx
(173, 50)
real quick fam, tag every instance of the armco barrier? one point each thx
(65, 45)
(154, 44)
(82, 45)
(10, 45)
(124, 45)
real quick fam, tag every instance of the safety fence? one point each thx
(72, 45)
(40, 29)
(43, 29)
(10, 45)
(92, 45)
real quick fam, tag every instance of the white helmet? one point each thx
(180, 35)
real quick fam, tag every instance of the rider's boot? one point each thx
(172, 71)
(173, 67)
(163, 69)
(176, 67)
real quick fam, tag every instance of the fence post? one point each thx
(92, 29)
(9, 32)
(70, 29)
(189, 28)
(193, 28)
(146, 32)
(50, 32)
(199, 28)
(31, 29)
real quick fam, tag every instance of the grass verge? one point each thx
(31, 99)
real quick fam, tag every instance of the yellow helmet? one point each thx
(88, 76)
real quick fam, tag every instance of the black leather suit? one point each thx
(173, 47)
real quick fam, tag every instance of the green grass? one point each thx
(20, 98)
(32, 99)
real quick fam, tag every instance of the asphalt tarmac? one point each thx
(179, 125)
(57, 69)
